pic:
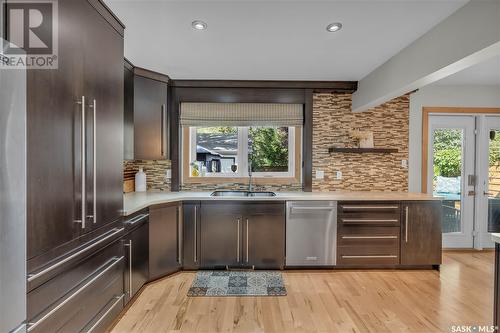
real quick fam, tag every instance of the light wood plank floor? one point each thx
(329, 301)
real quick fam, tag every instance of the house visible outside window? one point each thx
(225, 140)
(228, 151)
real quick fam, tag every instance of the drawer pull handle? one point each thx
(115, 261)
(34, 276)
(368, 207)
(137, 219)
(118, 300)
(369, 237)
(369, 220)
(369, 256)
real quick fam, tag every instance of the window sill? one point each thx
(243, 180)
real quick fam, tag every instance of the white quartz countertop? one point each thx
(135, 201)
(495, 237)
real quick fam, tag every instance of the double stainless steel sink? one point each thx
(242, 194)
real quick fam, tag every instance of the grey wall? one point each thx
(435, 95)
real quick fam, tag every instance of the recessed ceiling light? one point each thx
(332, 27)
(199, 25)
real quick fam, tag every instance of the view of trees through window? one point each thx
(268, 149)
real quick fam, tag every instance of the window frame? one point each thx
(294, 158)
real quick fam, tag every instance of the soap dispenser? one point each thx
(140, 181)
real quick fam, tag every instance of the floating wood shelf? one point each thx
(362, 150)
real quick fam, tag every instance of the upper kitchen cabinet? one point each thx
(146, 115)
(421, 233)
(74, 131)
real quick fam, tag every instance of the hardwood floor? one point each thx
(329, 301)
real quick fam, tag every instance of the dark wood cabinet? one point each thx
(368, 234)
(165, 239)
(221, 231)
(136, 244)
(191, 235)
(146, 114)
(103, 89)
(128, 111)
(55, 117)
(421, 233)
(242, 234)
(264, 235)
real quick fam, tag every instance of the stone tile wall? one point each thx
(332, 122)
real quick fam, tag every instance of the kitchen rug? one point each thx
(237, 283)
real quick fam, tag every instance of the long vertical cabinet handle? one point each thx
(406, 223)
(163, 130)
(94, 159)
(247, 241)
(195, 255)
(83, 166)
(238, 242)
(179, 234)
(129, 245)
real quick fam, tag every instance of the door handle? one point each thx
(162, 130)
(247, 240)
(83, 165)
(94, 161)
(179, 234)
(238, 242)
(406, 223)
(129, 245)
(195, 242)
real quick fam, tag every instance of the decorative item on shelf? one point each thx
(195, 171)
(140, 181)
(363, 139)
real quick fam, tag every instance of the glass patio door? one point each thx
(488, 202)
(451, 170)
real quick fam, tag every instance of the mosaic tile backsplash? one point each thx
(332, 122)
(156, 178)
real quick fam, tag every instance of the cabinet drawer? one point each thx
(386, 208)
(376, 214)
(59, 306)
(385, 254)
(368, 236)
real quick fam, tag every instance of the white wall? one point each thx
(436, 95)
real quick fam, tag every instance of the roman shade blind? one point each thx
(241, 114)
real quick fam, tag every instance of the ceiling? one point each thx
(486, 73)
(273, 40)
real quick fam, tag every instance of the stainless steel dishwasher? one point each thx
(311, 233)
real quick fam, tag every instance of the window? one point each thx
(228, 151)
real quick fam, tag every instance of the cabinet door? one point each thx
(150, 119)
(421, 233)
(53, 141)
(137, 266)
(164, 241)
(103, 77)
(264, 235)
(128, 112)
(191, 235)
(221, 232)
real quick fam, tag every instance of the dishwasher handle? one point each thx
(311, 208)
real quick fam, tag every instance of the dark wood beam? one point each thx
(317, 86)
